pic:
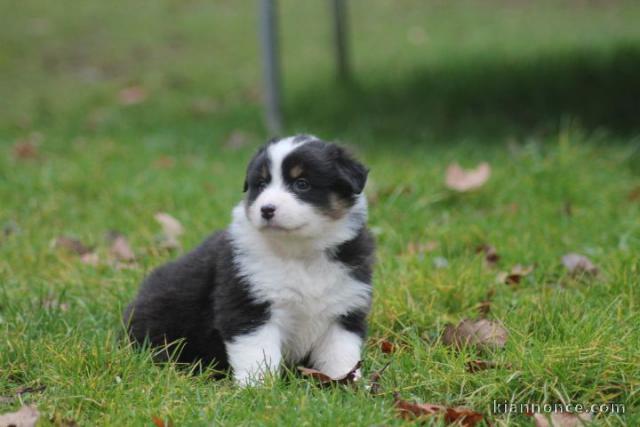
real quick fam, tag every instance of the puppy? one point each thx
(289, 281)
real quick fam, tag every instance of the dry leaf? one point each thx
(634, 195)
(387, 347)
(120, 249)
(491, 256)
(27, 416)
(459, 415)
(577, 264)
(160, 422)
(171, 228)
(462, 180)
(516, 274)
(72, 245)
(324, 379)
(562, 419)
(483, 334)
(27, 148)
(132, 95)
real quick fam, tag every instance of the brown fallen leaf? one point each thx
(483, 334)
(325, 380)
(374, 380)
(634, 195)
(481, 365)
(460, 415)
(132, 95)
(72, 245)
(579, 264)
(491, 256)
(120, 248)
(161, 422)
(462, 180)
(27, 416)
(562, 419)
(387, 347)
(516, 274)
(171, 228)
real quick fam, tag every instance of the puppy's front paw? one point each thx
(246, 379)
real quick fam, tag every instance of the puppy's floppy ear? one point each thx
(246, 186)
(351, 173)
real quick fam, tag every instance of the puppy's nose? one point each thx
(268, 211)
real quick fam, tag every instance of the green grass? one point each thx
(547, 93)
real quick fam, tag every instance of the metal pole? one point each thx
(339, 9)
(271, 65)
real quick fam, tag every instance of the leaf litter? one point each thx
(464, 180)
(171, 228)
(578, 264)
(482, 334)
(460, 415)
(26, 416)
(326, 380)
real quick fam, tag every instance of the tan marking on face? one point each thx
(296, 171)
(337, 207)
(264, 172)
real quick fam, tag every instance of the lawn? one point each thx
(109, 115)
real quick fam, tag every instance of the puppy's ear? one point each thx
(246, 186)
(351, 173)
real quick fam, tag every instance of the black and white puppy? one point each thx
(288, 281)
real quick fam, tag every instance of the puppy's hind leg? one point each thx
(255, 354)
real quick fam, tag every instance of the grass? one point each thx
(546, 93)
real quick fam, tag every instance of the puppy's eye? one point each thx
(262, 184)
(301, 184)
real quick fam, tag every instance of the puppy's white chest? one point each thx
(306, 296)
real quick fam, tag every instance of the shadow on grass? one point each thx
(598, 89)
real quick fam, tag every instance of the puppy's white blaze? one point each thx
(277, 152)
(337, 353)
(254, 355)
(290, 214)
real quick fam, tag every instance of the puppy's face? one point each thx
(300, 185)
